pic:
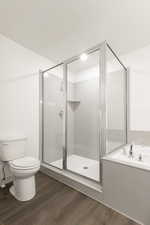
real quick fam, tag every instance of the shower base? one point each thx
(81, 165)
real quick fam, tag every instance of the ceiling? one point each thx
(59, 29)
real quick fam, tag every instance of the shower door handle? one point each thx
(61, 113)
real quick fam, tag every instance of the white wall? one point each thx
(138, 62)
(139, 94)
(139, 101)
(19, 92)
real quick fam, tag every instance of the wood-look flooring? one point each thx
(56, 204)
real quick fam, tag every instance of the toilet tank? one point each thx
(12, 147)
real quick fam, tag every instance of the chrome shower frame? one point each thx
(102, 47)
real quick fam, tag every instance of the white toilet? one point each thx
(23, 169)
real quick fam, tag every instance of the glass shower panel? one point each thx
(115, 102)
(53, 116)
(83, 116)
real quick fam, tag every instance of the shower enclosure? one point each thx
(84, 111)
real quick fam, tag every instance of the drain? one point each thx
(85, 167)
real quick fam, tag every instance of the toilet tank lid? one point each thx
(12, 138)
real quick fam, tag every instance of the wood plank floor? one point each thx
(56, 204)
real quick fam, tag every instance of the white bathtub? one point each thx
(123, 156)
(126, 182)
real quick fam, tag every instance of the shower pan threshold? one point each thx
(82, 184)
(81, 165)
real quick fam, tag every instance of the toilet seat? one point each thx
(24, 163)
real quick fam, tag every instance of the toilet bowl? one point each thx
(23, 172)
(23, 169)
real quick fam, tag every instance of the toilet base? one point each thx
(23, 189)
(12, 191)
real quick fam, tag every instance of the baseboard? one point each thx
(124, 214)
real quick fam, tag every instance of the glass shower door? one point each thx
(53, 116)
(83, 115)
